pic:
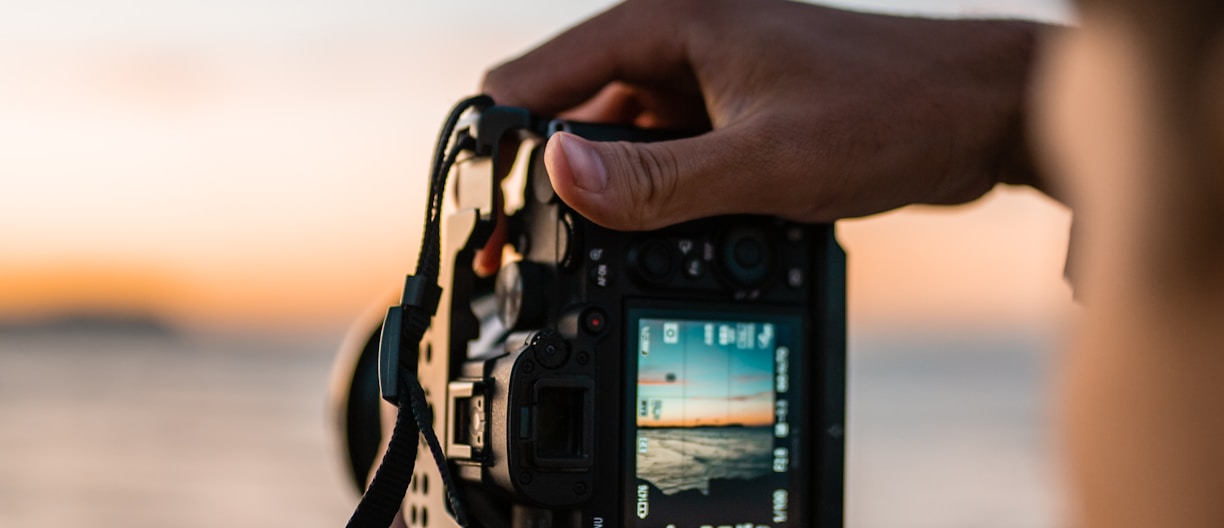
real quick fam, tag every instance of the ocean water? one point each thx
(952, 430)
(679, 459)
(130, 430)
(118, 430)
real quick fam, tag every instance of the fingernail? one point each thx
(585, 166)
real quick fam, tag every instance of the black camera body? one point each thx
(685, 377)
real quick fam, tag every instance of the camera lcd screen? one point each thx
(712, 419)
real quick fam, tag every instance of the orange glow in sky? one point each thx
(257, 165)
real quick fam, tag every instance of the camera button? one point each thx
(749, 252)
(550, 350)
(694, 268)
(655, 260)
(794, 277)
(747, 256)
(594, 321)
(601, 275)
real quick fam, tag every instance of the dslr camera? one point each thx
(688, 377)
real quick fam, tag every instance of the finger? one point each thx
(489, 258)
(646, 107)
(574, 66)
(639, 186)
(616, 103)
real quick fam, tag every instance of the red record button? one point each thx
(594, 320)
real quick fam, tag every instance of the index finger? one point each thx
(635, 42)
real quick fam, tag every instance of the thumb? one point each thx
(640, 186)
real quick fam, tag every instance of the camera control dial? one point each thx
(550, 350)
(747, 256)
(654, 260)
(520, 292)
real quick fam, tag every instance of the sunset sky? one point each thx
(258, 164)
(694, 380)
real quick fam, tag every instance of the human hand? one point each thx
(813, 113)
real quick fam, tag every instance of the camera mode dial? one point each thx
(520, 293)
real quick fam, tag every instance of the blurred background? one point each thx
(198, 198)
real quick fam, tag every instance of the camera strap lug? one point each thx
(402, 330)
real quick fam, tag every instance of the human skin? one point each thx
(816, 113)
(1131, 116)
(812, 113)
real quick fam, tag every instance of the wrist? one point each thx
(1016, 163)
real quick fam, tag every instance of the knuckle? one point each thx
(675, 13)
(495, 84)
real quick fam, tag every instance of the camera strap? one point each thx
(399, 349)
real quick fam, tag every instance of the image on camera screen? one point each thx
(712, 445)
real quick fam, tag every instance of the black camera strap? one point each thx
(399, 349)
